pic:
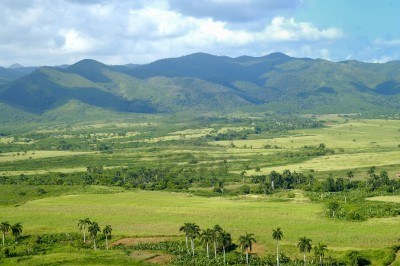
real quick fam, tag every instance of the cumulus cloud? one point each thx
(232, 10)
(39, 32)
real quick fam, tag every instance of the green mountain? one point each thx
(203, 82)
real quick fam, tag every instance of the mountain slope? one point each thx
(202, 82)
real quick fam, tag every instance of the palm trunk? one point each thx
(192, 246)
(106, 242)
(208, 254)
(4, 236)
(84, 236)
(320, 260)
(223, 248)
(304, 258)
(187, 245)
(247, 257)
(94, 243)
(215, 249)
(277, 252)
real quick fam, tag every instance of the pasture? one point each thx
(210, 154)
(142, 213)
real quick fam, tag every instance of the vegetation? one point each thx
(147, 179)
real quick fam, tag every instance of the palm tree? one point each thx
(217, 230)
(225, 239)
(4, 228)
(320, 251)
(93, 230)
(246, 243)
(16, 230)
(243, 174)
(277, 235)
(207, 236)
(83, 225)
(107, 233)
(305, 246)
(194, 231)
(350, 174)
(186, 228)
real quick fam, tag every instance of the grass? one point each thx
(162, 213)
(74, 256)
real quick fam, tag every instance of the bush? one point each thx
(355, 258)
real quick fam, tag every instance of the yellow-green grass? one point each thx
(73, 256)
(16, 156)
(161, 213)
(394, 198)
(371, 134)
(339, 162)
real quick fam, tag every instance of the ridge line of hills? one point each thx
(204, 82)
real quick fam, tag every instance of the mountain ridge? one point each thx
(205, 82)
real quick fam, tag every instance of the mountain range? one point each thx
(205, 83)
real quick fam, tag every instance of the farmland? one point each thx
(54, 175)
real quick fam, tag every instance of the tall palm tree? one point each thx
(207, 237)
(243, 174)
(277, 234)
(83, 225)
(350, 174)
(217, 230)
(320, 252)
(305, 246)
(194, 231)
(93, 230)
(246, 243)
(16, 230)
(225, 240)
(4, 228)
(186, 229)
(107, 233)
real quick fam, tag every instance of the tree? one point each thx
(4, 228)
(371, 171)
(107, 233)
(93, 229)
(277, 234)
(350, 175)
(186, 228)
(194, 231)
(16, 230)
(207, 237)
(83, 225)
(319, 251)
(333, 208)
(216, 232)
(246, 243)
(243, 174)
(225, 240)
(305, 246)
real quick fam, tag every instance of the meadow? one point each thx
(231, 153)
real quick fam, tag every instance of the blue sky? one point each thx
(43, 32)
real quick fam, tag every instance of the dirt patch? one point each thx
(151, 257)
(131, 241)
(258, 249)
(161, 259)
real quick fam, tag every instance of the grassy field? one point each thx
(161, 213)
(357, 145)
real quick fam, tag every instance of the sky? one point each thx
(55, 32)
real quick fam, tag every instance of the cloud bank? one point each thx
(40, 32)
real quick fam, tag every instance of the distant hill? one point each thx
(204, 82)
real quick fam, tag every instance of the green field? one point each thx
(204, 152)
(162, 213)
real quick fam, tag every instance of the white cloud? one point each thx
(63, 31)
(282, 29)
(382, 42)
